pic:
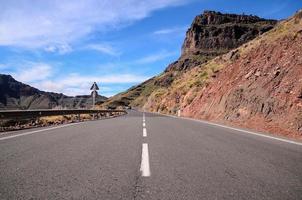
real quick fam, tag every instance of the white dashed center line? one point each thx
(145, 165)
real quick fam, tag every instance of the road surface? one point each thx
(147, 156)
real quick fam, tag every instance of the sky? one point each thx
(65, 45)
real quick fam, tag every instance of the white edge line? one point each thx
(232, 128)
(145, 165)
(246, 131)
(37, 131)
(144, 132)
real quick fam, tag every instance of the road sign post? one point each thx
(177, 101)
(94, 93)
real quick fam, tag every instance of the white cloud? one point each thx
(75, 79)
(31, 72)
(60, 48)
(156, 57)
(104, 48)
(74, 84)
(50, 86)
(174, 30)
(49, 24)
(46, 77)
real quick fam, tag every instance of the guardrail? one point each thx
(31, 114)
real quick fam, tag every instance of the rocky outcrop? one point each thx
(257, 85)
(262, 88)
(16, 95)
(213, 33)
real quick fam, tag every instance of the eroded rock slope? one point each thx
(255, 84)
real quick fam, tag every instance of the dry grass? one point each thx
(288, 28)
(64, 118)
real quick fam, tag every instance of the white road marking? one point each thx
(145, 166)
(37, 131)
(144, 132)
(144, 124)
(236, 129)
(250, 132)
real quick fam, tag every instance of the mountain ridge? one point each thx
(17, 95)
(229, 26)
(254, 85)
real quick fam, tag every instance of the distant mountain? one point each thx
(234, 69)
(17, 95)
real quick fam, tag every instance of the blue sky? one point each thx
(63, 46)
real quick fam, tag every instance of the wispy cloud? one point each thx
(60, 48)
(76, 79)
(47, 77)
(74, 90)
(104, 48)
(31, 72)
(75, 84)
(49, 24)
(156, 57)
(174, 30)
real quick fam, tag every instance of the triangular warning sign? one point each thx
(94, 86)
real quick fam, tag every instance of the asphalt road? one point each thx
(158, 158)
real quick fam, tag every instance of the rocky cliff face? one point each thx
(16, 95)
(262, 88)
(257, 85)
(213, 33)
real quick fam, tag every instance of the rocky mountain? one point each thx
(255, 83)
(260, 87)
(16, 95)
(211, 34)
